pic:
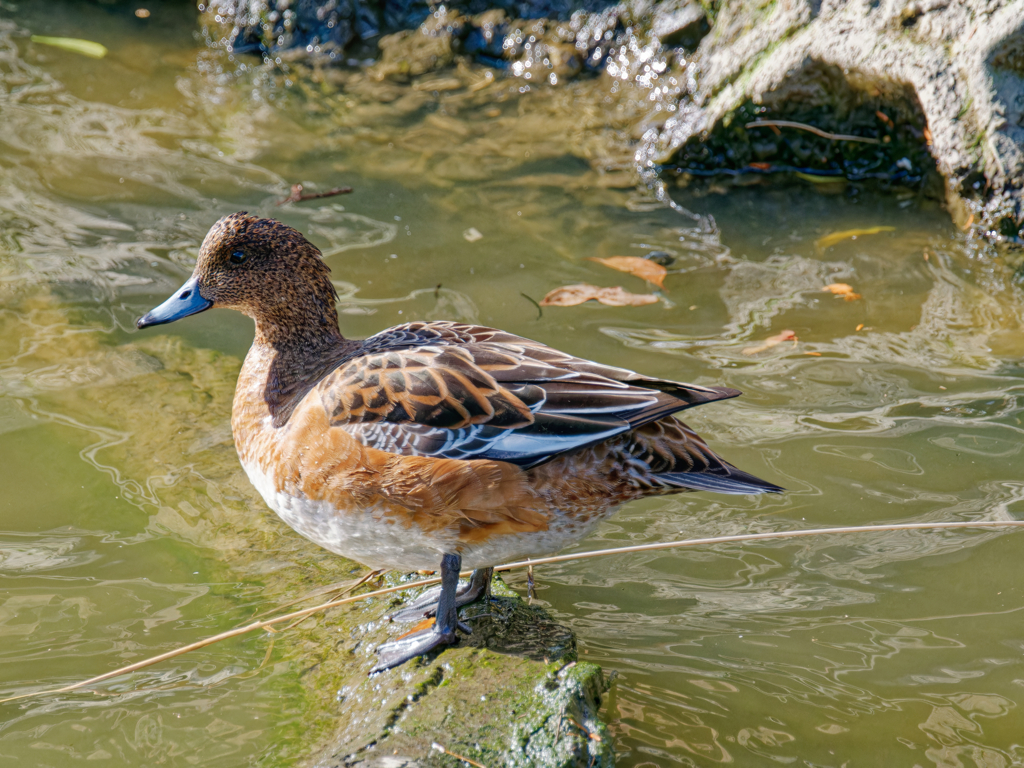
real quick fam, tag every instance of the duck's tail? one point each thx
(735, 481)
(669, 457)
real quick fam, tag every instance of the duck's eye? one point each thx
(237, 257)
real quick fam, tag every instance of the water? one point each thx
(128, 527)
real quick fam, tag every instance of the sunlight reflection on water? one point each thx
(131, 528)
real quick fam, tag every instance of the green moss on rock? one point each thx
(511, 694)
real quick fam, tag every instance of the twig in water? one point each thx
(290, 617)
(341, 589)
(540, 311)
(812, 129)
(265, 624)
(266, 658)
(439, 748)
(296, 195)
(761, 537)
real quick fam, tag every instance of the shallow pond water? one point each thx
(128, 527)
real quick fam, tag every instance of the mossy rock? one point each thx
(510, 694)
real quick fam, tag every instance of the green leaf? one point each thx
(817, 179)
(73, 44)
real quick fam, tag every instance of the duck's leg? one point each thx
(425, 605)
(442, 633)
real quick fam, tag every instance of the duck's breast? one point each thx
(404, 512)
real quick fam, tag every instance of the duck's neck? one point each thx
(291, 332)
(288, 357)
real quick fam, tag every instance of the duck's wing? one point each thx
(412, 335)
(445, 390)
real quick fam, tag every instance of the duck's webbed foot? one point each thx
(409, 647)
(444, 630)
(425, 605)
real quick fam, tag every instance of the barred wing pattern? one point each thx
(446, 390)
(667, 455)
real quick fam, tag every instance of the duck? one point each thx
(432, 445)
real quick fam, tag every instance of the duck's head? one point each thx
(262, 268)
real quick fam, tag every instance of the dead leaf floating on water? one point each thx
(842, 289)
(848, 234)
(73, 44)
(771, 341)
(645, 269)
(571, 295)
(472, 235)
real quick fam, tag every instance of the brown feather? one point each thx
(436, 387)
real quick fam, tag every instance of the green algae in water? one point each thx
(119, 569)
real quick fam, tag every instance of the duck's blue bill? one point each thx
(186, 301)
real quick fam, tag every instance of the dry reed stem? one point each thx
(291, 617)
(342, 588)
(265, 624)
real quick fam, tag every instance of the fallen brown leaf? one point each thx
(645, 269)
(842, 289)
(860, 327)
(571, 295)
(770, 342)
(813, 354)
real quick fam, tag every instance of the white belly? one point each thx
(369, 537)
